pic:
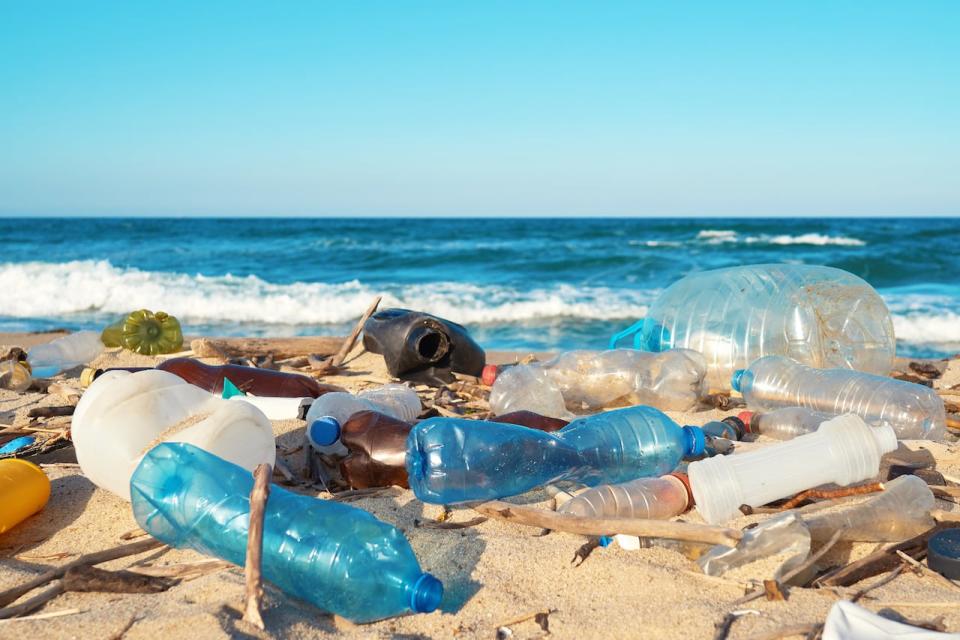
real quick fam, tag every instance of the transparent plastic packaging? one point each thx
(783, 534)
(644, 498)
(338, 558)
(844, 450)
(786, 423)
(14, 375)
(578, 382)
(913, 410)
(331, 411)
(64, 353)
(453, 460)
(820, 316)
(123, 414)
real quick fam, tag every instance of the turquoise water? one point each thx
(516, 283)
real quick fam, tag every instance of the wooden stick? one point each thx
(122, 551)
(51, 412)
(532, 517)
(352, 338)
(33, 603)
(258, 507)
(280, 348)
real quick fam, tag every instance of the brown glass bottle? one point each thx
(378, 446)
(259, 382)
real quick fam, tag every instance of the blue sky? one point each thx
(484, 108)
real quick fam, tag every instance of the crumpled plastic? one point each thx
(848, 621)
(782, 534)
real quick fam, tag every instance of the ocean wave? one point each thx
(61, 290)
(719, 236)
(928, 328)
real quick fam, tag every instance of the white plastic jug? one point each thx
(123, 415)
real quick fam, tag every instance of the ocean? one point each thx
(521, 283)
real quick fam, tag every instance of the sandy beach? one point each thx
(494, 573)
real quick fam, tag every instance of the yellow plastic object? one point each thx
(24, 490)
(145, 332)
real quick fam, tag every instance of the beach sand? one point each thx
(492, 573)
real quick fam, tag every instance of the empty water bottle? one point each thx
(913, 410)
(330, 412)
(657, 498)
(843, 450)
(580, 382)
(451, 460)
(334, 556)
(819, 316)
(785, 423)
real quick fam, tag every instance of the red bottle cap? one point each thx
(685, 479)
(489, 374)
(745, 417)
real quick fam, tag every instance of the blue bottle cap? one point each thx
(426, 594)
(323, 432)
(737, 379)
(696, 441)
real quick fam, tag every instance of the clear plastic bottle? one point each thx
(658, 498)
(820, 316)
(67, 352)
(330, 412)
(786, 423)
(334, 556)
(843, 450)
(913, 410)
(578, 382)
(453, 460)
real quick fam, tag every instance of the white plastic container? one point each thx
(67, 352)
(843, 450)
(583, 382)
(331, 410)
(820, 316)
(913, 410)
(122, 415)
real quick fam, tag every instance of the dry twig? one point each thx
(258, 507)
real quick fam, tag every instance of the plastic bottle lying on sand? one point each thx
(785, 423)
(844, 450)
(334, 556)
(123, 414)
(820, 316)
(913, 410)
(900, 511)
(656, 498)
(49, 359)
(377, 446)
(579, 382)
(250, 380)
(452, 460)
(145, 332)
(328, 413)
(24, 490)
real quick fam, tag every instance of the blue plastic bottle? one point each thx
(334, 556)
(452, 460)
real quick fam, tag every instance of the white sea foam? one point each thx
(44, 290)
(720, 236)
(928, 328)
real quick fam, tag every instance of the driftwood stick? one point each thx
(122, 551)
(544, 519)
(33, 603)
(87, 578)
(279, 348)
(258, 507)
(51, 412)
(352, 338)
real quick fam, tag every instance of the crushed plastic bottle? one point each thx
(146, 332)
(338, 558)
(328, 413)
(123, 414)
(580, 382)
(656, 498)
(843, 450)
(913, 410)
(786, 423)
(820, 316)
(49, 359)
(453, 460)
(24, 490)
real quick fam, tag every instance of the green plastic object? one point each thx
(230, 390)
(145, 332)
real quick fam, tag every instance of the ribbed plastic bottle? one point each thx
(578, 382)
(337, 557)
(913, 410)
(900, 511)
(453, 460)
(146, 332)
(820, 316)
(786, 423)
(843, 450)
(67, 352)
(24, 490)
(328, 413)
(655, 498)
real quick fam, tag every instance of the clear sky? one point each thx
(501, 108)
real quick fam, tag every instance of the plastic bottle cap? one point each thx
(426, 595)
(943, 553)
(324, 431)
(87, 376)
(697, 441)
(736, 379)
(745, 417)
(685, 480)
(489, 375)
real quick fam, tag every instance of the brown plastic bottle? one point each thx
(378, 446)
(259, 382)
